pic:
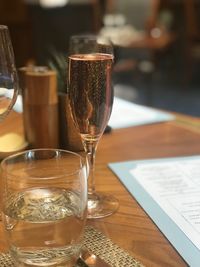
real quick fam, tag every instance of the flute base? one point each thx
(101, 205)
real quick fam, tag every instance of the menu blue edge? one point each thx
(189, 252)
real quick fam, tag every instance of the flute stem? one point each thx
(90, 148)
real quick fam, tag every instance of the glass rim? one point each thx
(83, 162)
(90, 36)
(84, 36)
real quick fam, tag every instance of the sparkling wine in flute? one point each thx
(90, 92)
(91, 98)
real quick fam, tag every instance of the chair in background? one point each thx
(143, 55)
(141, 15)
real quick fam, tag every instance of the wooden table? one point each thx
(130, 227)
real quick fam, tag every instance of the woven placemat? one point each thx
(100, 245)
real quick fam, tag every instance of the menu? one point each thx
(169, 191)
(127, 114)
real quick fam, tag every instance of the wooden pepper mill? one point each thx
(40, 105)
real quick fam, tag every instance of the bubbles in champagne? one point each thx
(90, 92)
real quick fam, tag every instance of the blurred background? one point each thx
(156, 42)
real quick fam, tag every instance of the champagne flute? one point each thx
(8, 73)
(91, 98)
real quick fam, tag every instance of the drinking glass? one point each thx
(8, 73)
(91, 97)
(44, 206)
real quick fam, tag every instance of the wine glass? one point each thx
(91, 97)
(8, 73)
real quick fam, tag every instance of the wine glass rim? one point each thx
(90, 36)
(84, 36)
(3, 27)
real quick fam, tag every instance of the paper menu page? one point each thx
(175, 187)
(126, 114)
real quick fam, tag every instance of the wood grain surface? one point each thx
(130, 227)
